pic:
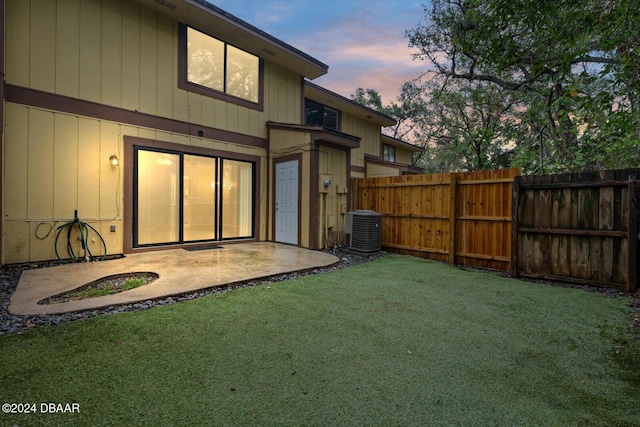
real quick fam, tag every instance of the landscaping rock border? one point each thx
(10, 275)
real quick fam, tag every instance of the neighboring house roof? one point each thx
(339, 102)
(400, 144)
(221, 24)
(321, 133)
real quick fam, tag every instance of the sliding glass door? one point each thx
(237, 199)
(182, 198)
(199, 198)
(158, 210)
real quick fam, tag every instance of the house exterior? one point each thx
(171, 123)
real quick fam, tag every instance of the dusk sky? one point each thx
(362, 41)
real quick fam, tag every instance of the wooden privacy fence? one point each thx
(581, 228)
(460, 218)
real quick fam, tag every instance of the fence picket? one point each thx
(459, 218)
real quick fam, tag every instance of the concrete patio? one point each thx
(179, 271)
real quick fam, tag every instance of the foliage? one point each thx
(101, 287)
(572, 69)
(408, 111)
(469, 126)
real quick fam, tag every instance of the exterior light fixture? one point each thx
(114, 160)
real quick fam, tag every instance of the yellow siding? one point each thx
(68, 53)
(110, 176)
(56, 163)
(40, 248)
(370, 134)
(131, 51)
(283, 142)
(17, 52)
(374, 170)
(149, 38)
(65, 165)
(16, 161)
(167, 68)
(283, 94)
(42, 48)
(403, 156)
(333, 163)
(111, 37)
(121, 54)
(16, 245)
(40, 177)
(90, 67)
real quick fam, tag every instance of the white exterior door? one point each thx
(287, 202)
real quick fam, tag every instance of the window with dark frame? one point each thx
(214, 68)
(321, 115)
(388, 153)
(182, 198)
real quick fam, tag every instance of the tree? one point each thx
(573, 69)
(468, 127)
(408, 112)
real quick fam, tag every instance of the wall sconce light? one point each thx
(114, 160)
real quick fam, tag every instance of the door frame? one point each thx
(274, 177)
(127, 211)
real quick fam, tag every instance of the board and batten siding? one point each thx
(404, 156)
(121, 54)
(56, 163)
(369, 134)
(333, 162)
(374, 170)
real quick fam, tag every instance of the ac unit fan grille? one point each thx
(366, 231)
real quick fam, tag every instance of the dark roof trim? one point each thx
(400, 144)
(320, 133)
(385, 120)
(368, 158)
(250, 28)
(212, 20)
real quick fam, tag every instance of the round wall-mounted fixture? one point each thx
(114, 160)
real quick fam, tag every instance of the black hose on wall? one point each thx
(83, 228)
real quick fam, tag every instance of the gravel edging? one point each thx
(10, 275)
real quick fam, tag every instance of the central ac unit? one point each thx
(365, 230)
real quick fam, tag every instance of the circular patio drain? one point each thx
(107, 285)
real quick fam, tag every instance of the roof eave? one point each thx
(218, 23)
(332, 99)
(400, 144)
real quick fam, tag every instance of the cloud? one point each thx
(362, 41)
(364, 50)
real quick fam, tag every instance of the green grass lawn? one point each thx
(398, 341)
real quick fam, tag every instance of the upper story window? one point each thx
(388, 153)
(320, 115)
(214, 68)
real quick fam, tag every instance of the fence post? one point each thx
(353, 201)
(632, 255)
(452, 217)
(515, 207)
